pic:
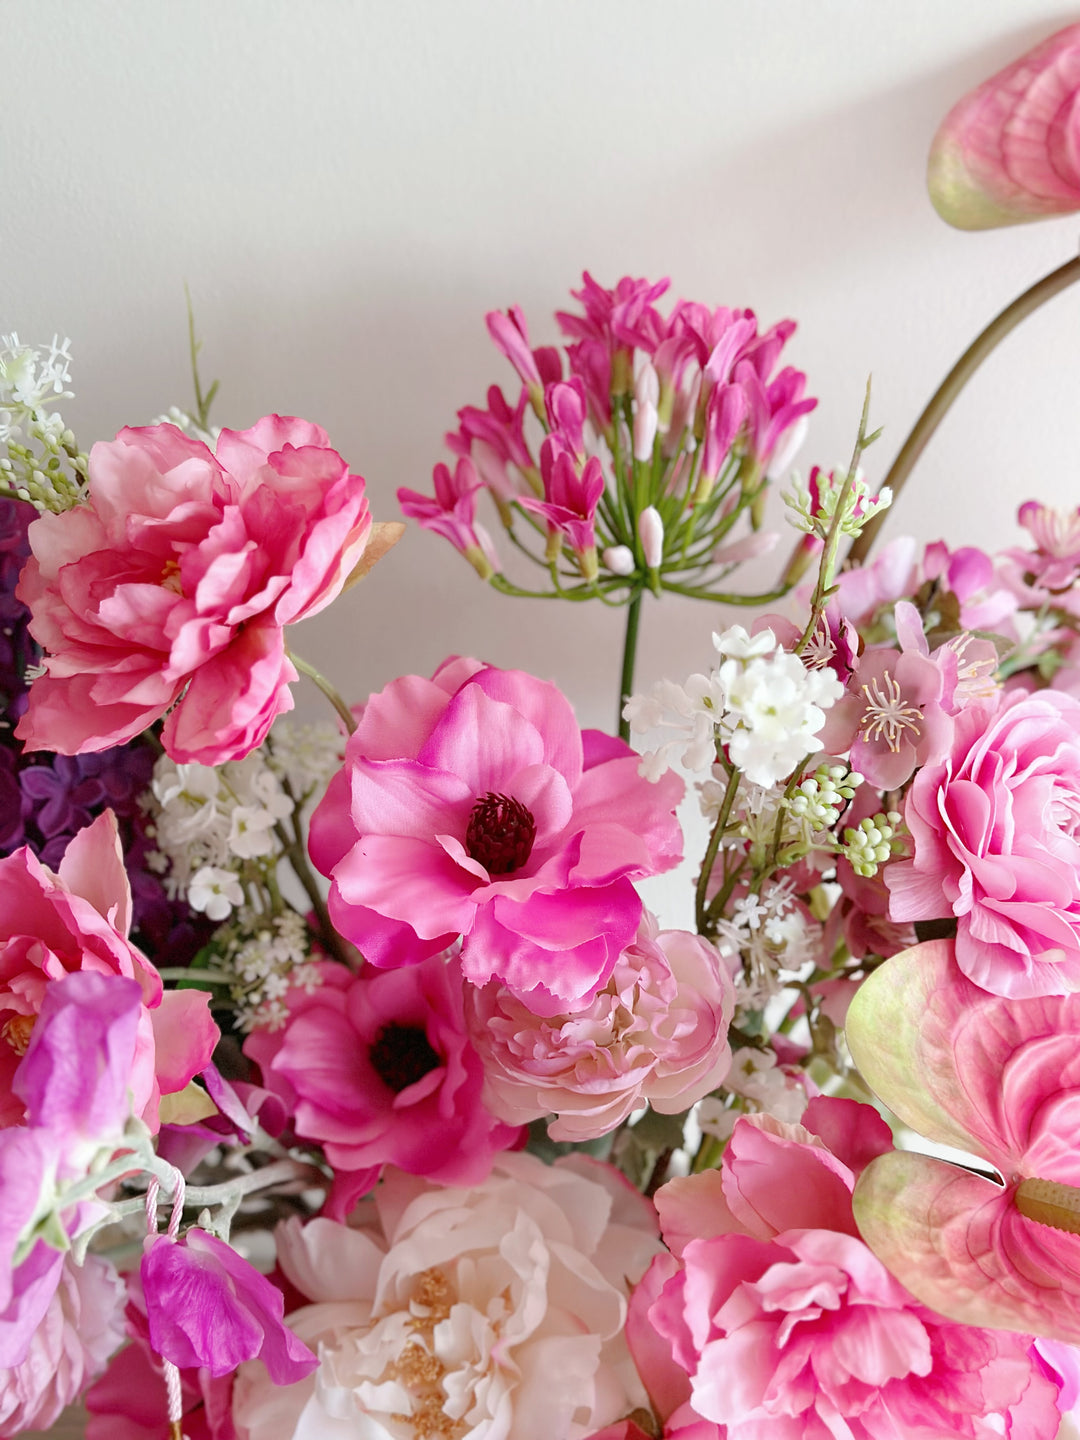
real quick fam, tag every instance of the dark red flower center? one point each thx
(500, 834)
(401, 1055)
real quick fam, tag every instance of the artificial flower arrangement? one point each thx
(539, 1168)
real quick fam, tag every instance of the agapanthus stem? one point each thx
(347, 717)
(943, 397)
(629, 657)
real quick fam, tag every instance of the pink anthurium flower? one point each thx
(996, 1077)
(1010, 150)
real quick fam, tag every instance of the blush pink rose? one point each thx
(168, 590)
(378, 1067)
(78, 919)
(471, 804)
(995, 827)
(657, 1031)
(786, 1324)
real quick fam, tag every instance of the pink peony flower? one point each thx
(657, 1031)
(993, 1077)
(79, 1330)
(169, 589)
(379, 1068)
(493, 1312)
(1009, 151)
(78, 919)
(994, 826)
(788, 1326)
(472, 805)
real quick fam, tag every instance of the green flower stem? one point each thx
(943, 397)
(724, 598)
(347, 718)
(629, 657)
(293, 846)
(701, 901)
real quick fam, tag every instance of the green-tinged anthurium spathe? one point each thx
(1000, 1079)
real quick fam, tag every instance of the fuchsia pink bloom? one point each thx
(570, 500)
(78, 920)
(999, 1078)
(168, 590)
(471, 804)
(780, 1323)
(452, 514)
(1009, 151)
(379, 1068)
(995, 825)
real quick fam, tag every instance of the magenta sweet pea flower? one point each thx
(168, 590)
(1000, 1079)
(207, 1306)
(471, 804)
(1010, 150)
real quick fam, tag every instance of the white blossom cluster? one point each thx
(761, 1086)
(773, 938)
(305, 757)
(208, 821)
(38, 458)
(761, 703)
(264, 957)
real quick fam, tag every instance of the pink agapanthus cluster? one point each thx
(471, 805)
(168, 590)
(771, 1317)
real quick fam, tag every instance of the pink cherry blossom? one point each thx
(1009, 151)
(168, 590)
(379, 1068)
(452, 514)
(786, 1324)
(994, 826)
(471, 804)
(78, 919)
(657, 1031)
(1046, 575)
(998, 1078)
(890, 576)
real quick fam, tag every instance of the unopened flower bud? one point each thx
(646, 415)
(651, 534)
(619, 559)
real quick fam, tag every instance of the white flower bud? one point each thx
(651, 533)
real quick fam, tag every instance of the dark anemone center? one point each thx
(500, 834)
(401, 1055)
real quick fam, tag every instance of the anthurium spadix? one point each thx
(1000, 1079)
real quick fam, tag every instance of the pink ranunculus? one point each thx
(168, 590)
(657, 1031)
(1009, 151)
(81, 1327)
(992, 1077)
(788, 1326)
(495, 1311)
(78, 919)
(378, 1067)
(995, 826)
(471, 804)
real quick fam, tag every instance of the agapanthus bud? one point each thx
(619, 559)
(646, 415)
(651, 534)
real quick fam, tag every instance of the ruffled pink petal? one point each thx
(184, 1038)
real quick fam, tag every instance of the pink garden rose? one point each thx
(471, 804)
(378, 1067)
(78, 919)
(168, 590)
(788, 1327)
(1009, 151)
(489, 1313)
(995, 826)
(657, 1031)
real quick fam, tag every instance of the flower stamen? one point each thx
(885, 717)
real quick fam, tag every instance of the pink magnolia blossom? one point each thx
(471, 804)
(998, 1078)
(787, 1326)
(1009, 151)
(81, 1327)
(78, 919)
(489, 1313)
(657, 1031)
(994, 829)
(378, 1067)
(452, 514)
(168, 590)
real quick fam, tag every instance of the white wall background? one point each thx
(347, 185)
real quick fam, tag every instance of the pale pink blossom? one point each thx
(471, 804)
(490, 1313)
(1009, 151)
(651, 534)
(787, 1326)
(1048, 574)
(167, 592)
(657, 1031)
(995, 829)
